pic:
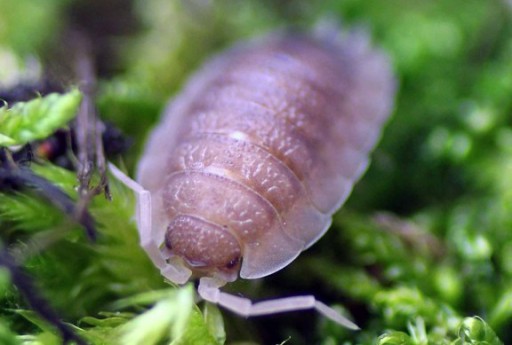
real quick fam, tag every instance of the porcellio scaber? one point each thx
(253, 158)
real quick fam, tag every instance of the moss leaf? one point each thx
(38, 118)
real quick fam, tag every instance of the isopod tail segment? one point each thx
(209, 287)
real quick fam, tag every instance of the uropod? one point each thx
(252, 159)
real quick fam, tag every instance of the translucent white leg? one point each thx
(174, 272)
(142, 215)
(209, 291)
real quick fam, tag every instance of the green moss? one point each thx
(49, 113)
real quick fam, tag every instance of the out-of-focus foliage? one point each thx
(422, 252)
(26, 29)
(27, 26)
(49, 113)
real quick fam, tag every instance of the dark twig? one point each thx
(88, 128)
(20, 177)
(29, 291)
(13, 176)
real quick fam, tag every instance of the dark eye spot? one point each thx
(233, 263)
(168, 243)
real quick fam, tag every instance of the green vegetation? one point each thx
(420, 254)
(49, 113)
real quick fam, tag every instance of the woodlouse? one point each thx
(255, 155)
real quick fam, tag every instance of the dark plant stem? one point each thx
(29, 291)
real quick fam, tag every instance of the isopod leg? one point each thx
(209, 291)
(174, 272)
(143, 215)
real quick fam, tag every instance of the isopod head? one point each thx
(204, 247)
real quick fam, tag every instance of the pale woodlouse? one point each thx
(255, 155)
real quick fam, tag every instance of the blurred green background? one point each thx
(420, 254)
